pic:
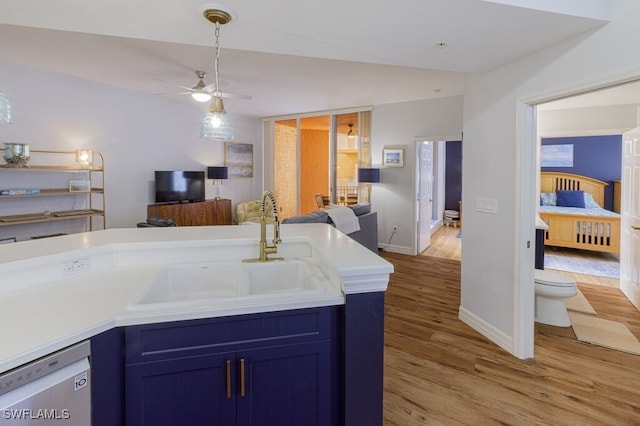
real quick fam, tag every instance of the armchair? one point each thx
(249, 211)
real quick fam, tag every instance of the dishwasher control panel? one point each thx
(48, 364)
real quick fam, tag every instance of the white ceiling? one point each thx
(291, 56)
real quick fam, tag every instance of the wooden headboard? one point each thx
(551, 181)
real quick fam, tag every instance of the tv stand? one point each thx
(206, 213)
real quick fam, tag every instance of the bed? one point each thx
(587, 227)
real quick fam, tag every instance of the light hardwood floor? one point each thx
(439, 371)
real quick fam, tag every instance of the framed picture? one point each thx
(8, 240)
(556, 155)
(393, 157)
(79, 186)
(238, 158)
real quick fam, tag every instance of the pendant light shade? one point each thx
(216, 124)
(5, 109)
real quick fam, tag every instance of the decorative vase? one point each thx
(16, 154)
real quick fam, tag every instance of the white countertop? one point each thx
(45, 309)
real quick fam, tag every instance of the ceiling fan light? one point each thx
(5, 109)
(201, 96)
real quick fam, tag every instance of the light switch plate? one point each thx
(487, 205)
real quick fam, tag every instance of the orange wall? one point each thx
(314, 167)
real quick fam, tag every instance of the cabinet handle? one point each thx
(228, 379)
(242, 389)
(637, 228)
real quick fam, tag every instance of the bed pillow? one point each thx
(570, 199)
(548, 199)
(589, 202)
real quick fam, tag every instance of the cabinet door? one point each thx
(184, 391)
(285, 385)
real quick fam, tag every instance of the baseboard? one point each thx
(487, 330)
(397, 249)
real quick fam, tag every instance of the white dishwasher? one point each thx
(52, 390)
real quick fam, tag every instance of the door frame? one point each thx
(526, 178)
(438, 164)
(420, 226)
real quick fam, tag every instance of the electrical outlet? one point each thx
(395, 227)
(76, 266)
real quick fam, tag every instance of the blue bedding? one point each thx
(593, 211)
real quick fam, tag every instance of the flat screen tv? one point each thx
(177, 186)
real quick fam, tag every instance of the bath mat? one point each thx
(601, 332)
(579, 303)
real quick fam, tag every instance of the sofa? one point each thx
(368, 220)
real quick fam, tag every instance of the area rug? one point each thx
(601, 332)
(583, 262)
(579, 303)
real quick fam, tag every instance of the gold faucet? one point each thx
(265, 248)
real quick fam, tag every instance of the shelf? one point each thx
(53, 191)
(31, 168)
(52, 216)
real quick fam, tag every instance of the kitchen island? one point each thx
(63, 290)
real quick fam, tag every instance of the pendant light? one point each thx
(216, 124)
(5, 109)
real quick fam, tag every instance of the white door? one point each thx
(630, 218)
(424, 177)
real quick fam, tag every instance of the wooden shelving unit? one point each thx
(58, 162)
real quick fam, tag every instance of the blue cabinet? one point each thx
(179, 391)
(285, 385)
(261, 369)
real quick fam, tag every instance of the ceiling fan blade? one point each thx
(236, 96)
(175, 84)
(175, 93)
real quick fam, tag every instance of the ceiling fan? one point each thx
(202, 92)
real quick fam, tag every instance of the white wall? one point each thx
(136, 133)
(492, 148)
(601, 120)
(398, 125)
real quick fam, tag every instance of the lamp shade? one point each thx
(219, 172)
(369, 175)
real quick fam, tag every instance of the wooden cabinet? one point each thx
(205, 213)
(261, 369)
(52, 188)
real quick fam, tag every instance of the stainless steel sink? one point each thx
(219, 283)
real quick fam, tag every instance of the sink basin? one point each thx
(219, 283)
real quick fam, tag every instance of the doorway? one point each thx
(424, 194)
(443, 173)
(528, 178)
(317, 157)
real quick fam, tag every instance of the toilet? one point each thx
(551, 289)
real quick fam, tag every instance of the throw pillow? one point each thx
(589, 202)
(548, 199)
(570, 198)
